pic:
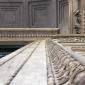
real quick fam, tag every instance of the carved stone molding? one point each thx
(26, 34)
(70, 38)
(66, 69)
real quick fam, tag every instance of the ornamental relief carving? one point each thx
(66, 70)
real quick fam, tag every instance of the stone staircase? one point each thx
(44, 62)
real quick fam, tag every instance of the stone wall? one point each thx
(27, 13)
(63, 16)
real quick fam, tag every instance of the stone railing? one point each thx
(26, 34)
(66, 69)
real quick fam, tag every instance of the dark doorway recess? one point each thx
(7, 49)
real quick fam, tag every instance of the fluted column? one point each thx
(82, 10)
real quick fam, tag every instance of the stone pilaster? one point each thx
(82, 10)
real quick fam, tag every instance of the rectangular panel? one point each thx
(38, 13)
(10, 14)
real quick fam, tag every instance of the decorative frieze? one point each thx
(26, 34)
